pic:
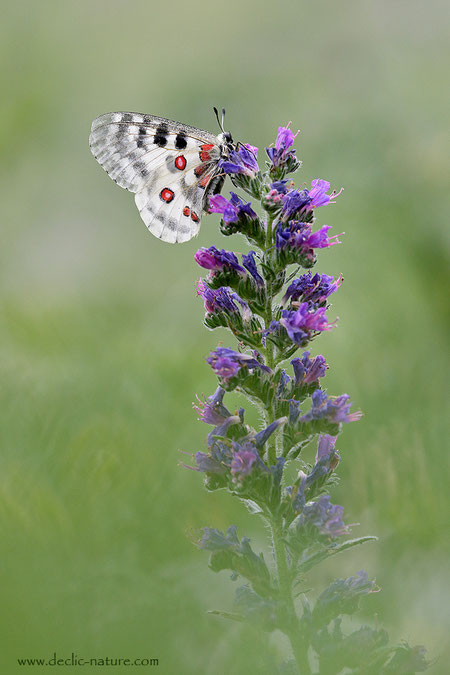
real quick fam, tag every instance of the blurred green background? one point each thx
(101, 333)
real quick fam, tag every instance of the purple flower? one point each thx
(243, 462)
(243, 161)
(335, 409)
(226, 363)
(298, 236)
(308, 370)
(218, 261)
(325, 447)
(320, 239)
(301, 323)
(324, 516)
(311, 288)
(294, 202)
(231, 209)
(285, 138)
(209, 464)
(246, 458)
(224, 367)
(212, 411)
(299, 201)
(249, 263)
(252, 148)
(318, 195)
(263, 436)
(218, 300)
(222, 300)
(279, 186)
(281, 152)
(327, 459)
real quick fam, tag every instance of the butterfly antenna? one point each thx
(223, 118)
(217, 118)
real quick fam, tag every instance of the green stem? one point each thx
(269, 352)
(292, 629)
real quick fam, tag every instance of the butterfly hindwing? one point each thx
(167, 164)
(171, 209)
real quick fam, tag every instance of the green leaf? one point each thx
(252, 506)
(353, 542)
(317, 557)
(233, 616)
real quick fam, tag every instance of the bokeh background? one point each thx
(101, 333)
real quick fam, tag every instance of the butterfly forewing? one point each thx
(167, 164)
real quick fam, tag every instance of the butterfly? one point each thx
(171, 167)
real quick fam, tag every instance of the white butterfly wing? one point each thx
(168, 165)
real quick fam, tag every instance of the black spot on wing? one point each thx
(141, 168)
(142, 134)
(180, 141)
(161, 136)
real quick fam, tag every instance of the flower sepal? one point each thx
(252, 185)
(227, 309)
(246, 287)
(290, 165)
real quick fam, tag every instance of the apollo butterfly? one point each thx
(171, 167)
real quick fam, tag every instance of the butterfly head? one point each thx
(225, 141)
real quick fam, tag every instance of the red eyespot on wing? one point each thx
(186, 211)
(180, 162)
(204, 151)
(166, 195)
(194, 217)
(200, 170)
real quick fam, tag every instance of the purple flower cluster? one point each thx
(298, 236)
(281, 152)
(227, 363)
(307, 370)
(212, 411)
(301, 324)
(222, 300)
(219, 261)
(231, 209)
(309, 288)
(337, 409)
(242, 296)
(241, 459)
(298, 202)
(324, 516)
